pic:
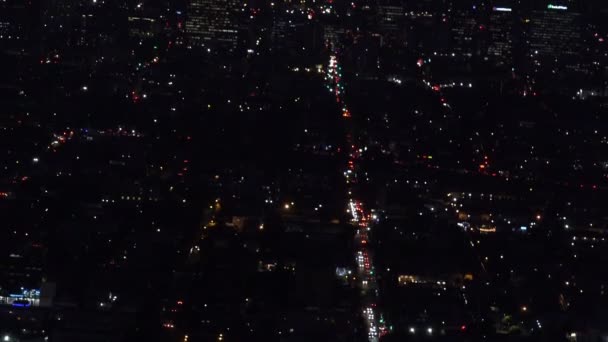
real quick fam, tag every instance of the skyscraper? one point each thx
(462, 33)
(18, 21)
(500, 28)
(212, 24)
(554, 32)
(391, 23)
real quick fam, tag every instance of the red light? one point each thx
(463, 327)
(482, 166)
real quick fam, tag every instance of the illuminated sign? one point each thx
(557, 7)
(26, 294)
(21, 305)
(502, 9)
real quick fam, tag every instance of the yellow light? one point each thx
(286, 206)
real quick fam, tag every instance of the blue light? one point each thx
(20, 305)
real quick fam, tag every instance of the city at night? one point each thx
(303, 170)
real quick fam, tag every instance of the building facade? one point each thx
(212, 24)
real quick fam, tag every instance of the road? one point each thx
(361, 218)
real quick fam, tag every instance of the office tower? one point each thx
(554, 33)
(295, 35)
(463, 29)
(500, 35)
(18, 22)
(391, 23)
(391, 17)
(212, 24)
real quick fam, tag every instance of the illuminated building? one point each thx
(81, 25)
(143, 27)
(462, 32)
(392, 23)
(17, 22)
(212, 24)
(295, 34)
(500, 29)
(391, 17)
(554, 32)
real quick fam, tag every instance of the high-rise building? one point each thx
(70, 27)
(463, 30)
(18, 22)
(391, 17)
(500, 35)
(212, 24)
(391, 23)
(295, 35)
(554, 33)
